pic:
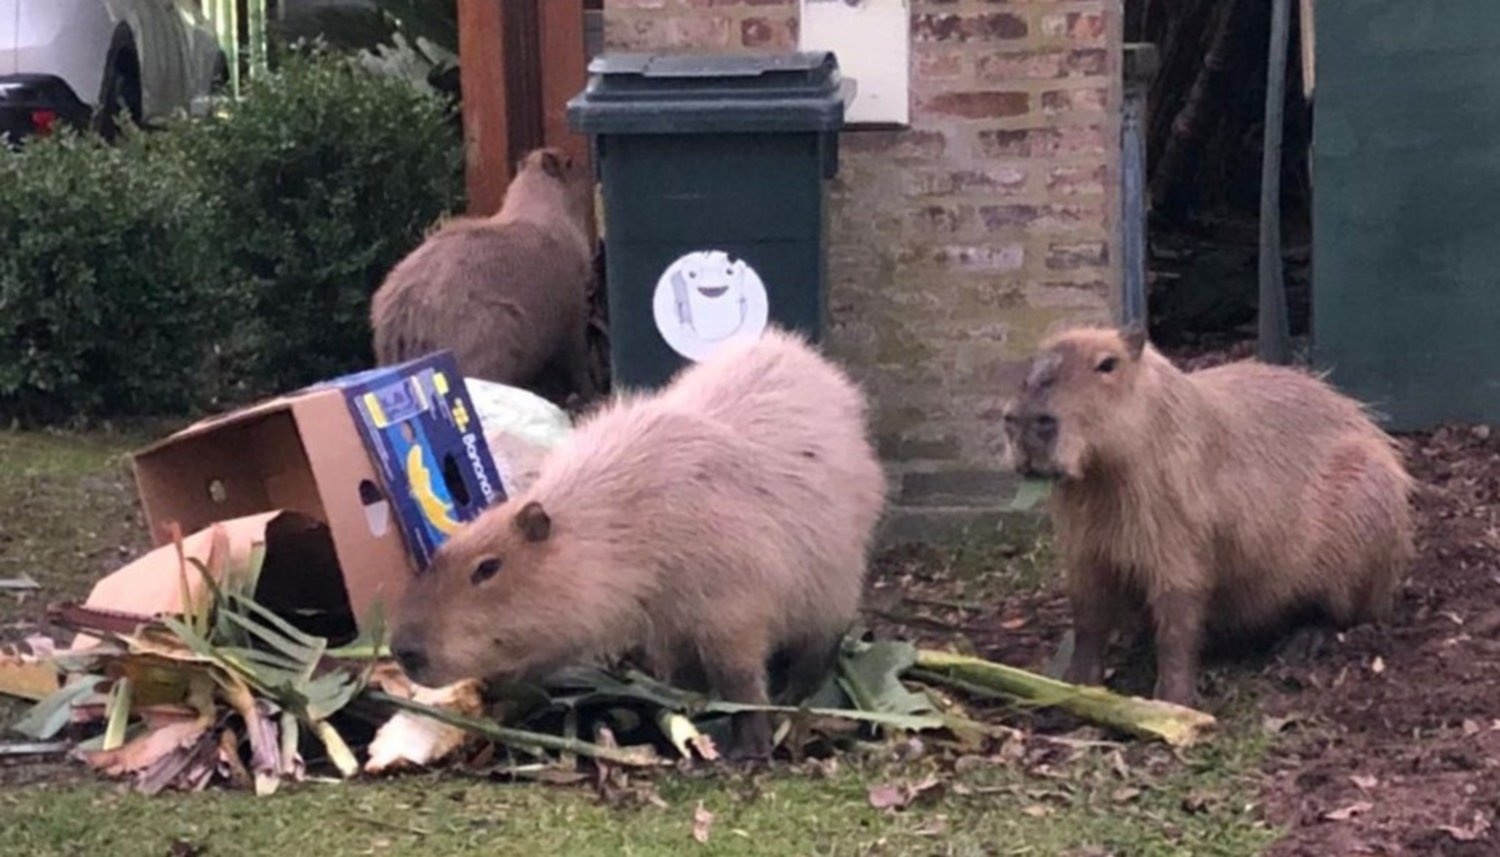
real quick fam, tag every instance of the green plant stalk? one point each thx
(1147, 718)
(119, 715)
(519, 738)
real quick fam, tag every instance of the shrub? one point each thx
(330, 175)
(217, 259)
(110, 273)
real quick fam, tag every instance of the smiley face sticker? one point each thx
(708, 298)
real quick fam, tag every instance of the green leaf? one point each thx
(329, 693)
(1029, 494)
(871, 674)
(50, 716)
(251, 609)
(118, 711)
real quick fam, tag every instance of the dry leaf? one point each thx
(1364, 782)
(1015, 624)
(1277, 725)
(1472, 728)
(1125, 794)
(704, 744)
(1348, 812)
(28, 678)
(1377, 666)
(1471, 832)
(1036, 810)
(703, 820)
(888, 797)
(146, 750)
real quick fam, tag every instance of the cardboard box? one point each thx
(390, 460)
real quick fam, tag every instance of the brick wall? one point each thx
(957, 243)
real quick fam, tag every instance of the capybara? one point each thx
(706, 530)
(1228, 502)
(508, 294)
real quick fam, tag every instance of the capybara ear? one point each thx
(1134, 335)
(552, 165)
(533, 523)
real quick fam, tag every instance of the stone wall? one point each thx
(960, 241)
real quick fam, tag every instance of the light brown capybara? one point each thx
(507, 294)
(1225, 501)
(705, 529)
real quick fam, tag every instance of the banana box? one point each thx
(388, 462)
(421, 430)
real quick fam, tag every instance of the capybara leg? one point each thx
(739, 675)
(1090, 596)
(1178, 615)
(808, 666)
(576, 363)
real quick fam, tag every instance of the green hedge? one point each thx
(221, 258)
(110, 271)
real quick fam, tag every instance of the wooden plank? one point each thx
(564, 62)
(487, 156)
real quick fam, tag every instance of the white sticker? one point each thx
(705, 299)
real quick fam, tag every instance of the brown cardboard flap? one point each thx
(300, 578)
(219, 421)
(243, 467)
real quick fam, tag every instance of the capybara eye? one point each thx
(1107, 365)
(485, 570)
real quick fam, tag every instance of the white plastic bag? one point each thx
(520, 428)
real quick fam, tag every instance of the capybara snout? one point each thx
(1069, 399)
(478, 574)
(1033, 437)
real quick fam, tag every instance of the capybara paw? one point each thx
(1177, 690)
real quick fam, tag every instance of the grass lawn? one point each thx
(70, 515)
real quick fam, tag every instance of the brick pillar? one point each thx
(957, 243)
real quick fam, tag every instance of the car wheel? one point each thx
(121, 93)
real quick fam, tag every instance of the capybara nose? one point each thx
(1042, 428)
(413, 658)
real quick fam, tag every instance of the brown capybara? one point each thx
(1226, 501)
(705, 529)
(507, 294)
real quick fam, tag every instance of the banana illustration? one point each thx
(433, 507)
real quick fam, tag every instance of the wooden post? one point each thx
(564, 71)
(481, 52)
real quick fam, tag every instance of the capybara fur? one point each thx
(703, 531)
(508, 294)
(1225, 501)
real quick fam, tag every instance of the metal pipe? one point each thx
(1140, 68)
(1274, 335)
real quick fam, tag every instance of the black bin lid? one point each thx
(643, 93)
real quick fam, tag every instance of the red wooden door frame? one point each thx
(499, 93)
